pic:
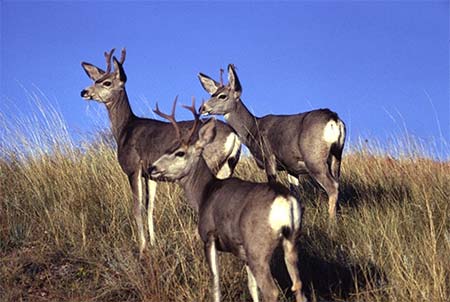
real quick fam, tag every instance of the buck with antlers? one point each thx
(244, 218)
(305, 143)
(140, 141)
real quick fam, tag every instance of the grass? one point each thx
(67, 231)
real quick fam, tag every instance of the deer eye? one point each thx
(107, 83)
(222, 96)
(180, 154)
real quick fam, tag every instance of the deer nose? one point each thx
(84, 93)
(203, 109)
(150, 169)
(154, 172)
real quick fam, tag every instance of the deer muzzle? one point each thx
(85, 94)
(204, 109)
(155, 173)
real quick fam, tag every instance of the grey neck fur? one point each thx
(120, 113)
(196, 183)
(244, 123)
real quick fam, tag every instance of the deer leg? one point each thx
(291, 260)
(151, 185)
(336, 156)
(336, 165)
(211, 257)
(259, 256)
(264, 279)
(321, 173)
(136, 188)
(252, 286)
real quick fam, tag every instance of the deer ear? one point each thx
(208, 84)
(92, 71)
(233, 80)
(118, 69)
(206, 133)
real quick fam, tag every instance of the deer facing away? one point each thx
(244, 218)
(140, 141)
(305, 143)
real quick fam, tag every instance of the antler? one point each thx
(221, 76)
(108, 57)
(196, 119)
(170, 117)
(122, 56)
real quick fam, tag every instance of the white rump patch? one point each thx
(231, 147)
(236, 143)
(342, 130)
(280, 213)
(284, 212)
(296, 214)
(331, 132)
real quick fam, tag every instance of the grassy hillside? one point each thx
(67, 231)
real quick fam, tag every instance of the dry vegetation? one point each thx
(67, 232)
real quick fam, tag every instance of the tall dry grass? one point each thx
(67, 232)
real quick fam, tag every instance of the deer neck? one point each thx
(120, 113)
(243, 122)
(197, 183)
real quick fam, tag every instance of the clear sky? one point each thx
(383, 66)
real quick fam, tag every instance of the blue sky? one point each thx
(383, 66)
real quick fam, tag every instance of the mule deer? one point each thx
(244, 218)
(140, 141)
(305, 143)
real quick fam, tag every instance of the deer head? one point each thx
(182, 157)
(223, 97)
(108, 85)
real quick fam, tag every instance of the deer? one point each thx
(140, 141)
(235, 216)
(305, 143)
